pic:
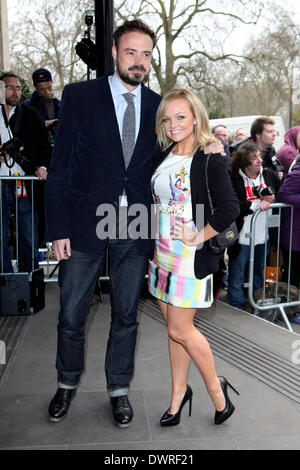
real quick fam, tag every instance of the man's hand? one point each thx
(41, 173)
(62, 249)
(215, 147)
(49, 122)
(3, 159)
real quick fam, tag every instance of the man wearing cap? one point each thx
(42, 98)
(47, 107)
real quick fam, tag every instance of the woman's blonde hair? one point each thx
(202, 132)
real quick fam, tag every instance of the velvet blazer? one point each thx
(87, 167)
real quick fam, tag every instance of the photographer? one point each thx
(27, 154)
(256, 188)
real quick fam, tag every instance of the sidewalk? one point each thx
(253, 354)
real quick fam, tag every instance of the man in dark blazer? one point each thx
(88, 170)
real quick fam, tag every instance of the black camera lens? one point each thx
(256, 191)
(260, 192)
(268, 191)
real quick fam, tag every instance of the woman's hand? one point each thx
(265, 202)
(192, 237)
(184, 233)
(264, 205)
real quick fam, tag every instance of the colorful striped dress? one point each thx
(171, 271)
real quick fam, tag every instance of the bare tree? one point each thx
(265, 81)
(189, 31)
(191, 51)
(274, 58)
(44, 34)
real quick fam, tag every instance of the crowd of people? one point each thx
(260, 176)
(120, 144)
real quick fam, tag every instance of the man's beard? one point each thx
(136, 79)
(13, 101)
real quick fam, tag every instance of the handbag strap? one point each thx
(207, 185)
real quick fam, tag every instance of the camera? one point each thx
(13, 148)
(277, 164)
(260, 192)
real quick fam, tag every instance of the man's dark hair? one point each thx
(258, 126)
(9, 75)
(130, 26)
(242, 156)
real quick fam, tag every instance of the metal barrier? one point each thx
(272, 221)
(48, 263)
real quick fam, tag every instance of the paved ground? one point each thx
(264, 418)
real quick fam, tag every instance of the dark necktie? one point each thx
(128, 131)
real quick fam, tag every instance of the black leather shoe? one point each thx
(172, 420)
(60, 404)
(121, 410)
(221, 416)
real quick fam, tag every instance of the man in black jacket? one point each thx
(22, 122)
(263, 133)
(46, 104)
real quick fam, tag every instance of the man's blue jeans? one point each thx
(77, 278)
(237, 273)
(24, 227)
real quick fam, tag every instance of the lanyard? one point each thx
(6, 122)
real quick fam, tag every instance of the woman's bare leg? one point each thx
(183, 333)
(179, 361)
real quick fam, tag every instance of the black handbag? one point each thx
(228, 237)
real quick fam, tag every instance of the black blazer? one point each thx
(87, 167)
(225, 202)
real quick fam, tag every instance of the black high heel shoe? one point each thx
(171, 420)
(221, 416)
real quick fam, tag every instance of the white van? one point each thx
(245, 122)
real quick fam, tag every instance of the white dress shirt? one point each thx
(6, 134)
(118, 90)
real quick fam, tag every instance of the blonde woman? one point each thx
(237, 136)
(180, 273)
